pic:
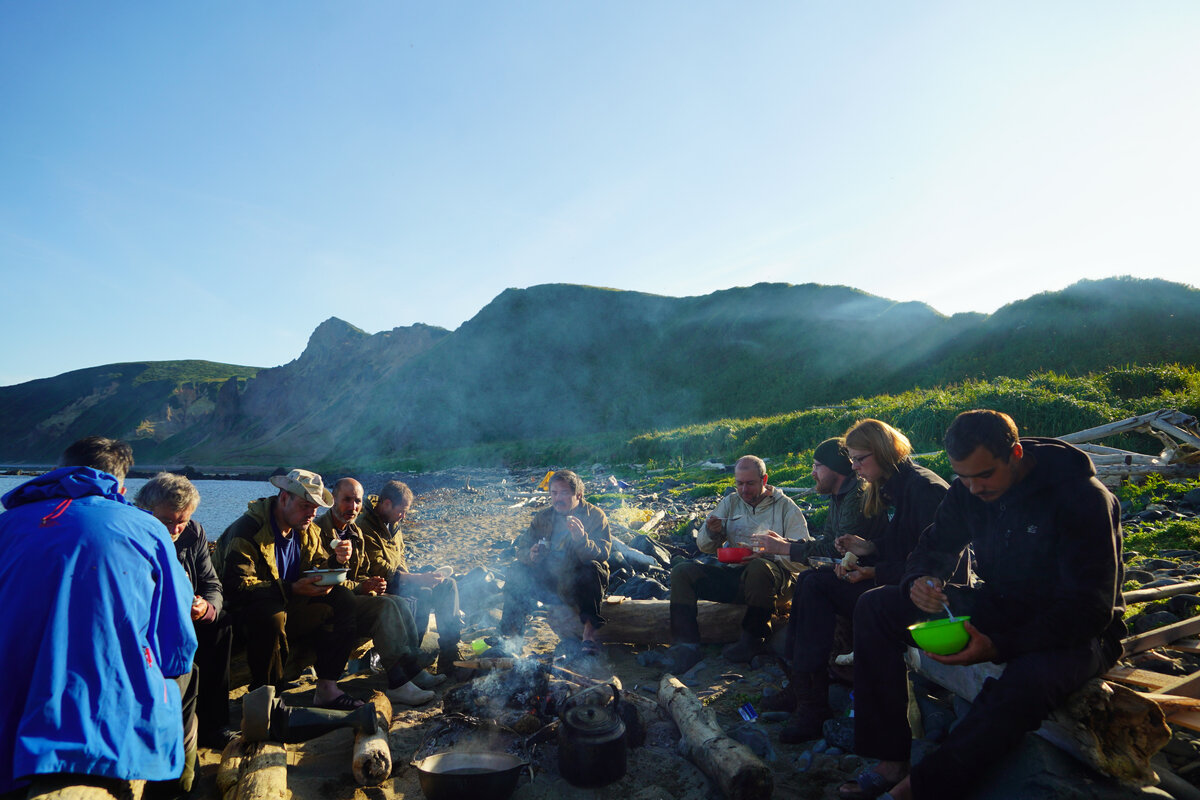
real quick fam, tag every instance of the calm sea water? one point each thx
(221, 502)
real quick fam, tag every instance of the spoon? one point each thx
(949, 613)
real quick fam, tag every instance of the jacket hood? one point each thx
(259, 510)
(66, 483)
(1054, 461)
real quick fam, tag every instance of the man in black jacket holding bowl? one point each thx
(1046, 604)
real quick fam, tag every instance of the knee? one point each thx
(265, 625)
(687, 572)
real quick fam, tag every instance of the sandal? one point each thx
(867, 785)
(343, 702)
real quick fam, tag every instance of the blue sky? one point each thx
(212, 180)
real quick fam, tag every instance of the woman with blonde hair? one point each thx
(903, 497)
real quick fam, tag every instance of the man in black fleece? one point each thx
(1045, 602)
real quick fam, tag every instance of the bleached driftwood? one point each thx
(649, 621)
(1176, 423)
(652, 523)
(253, 771)
(1111, 728)
(737, 771)
(1107, 726)
(372, 763)
(62, 787)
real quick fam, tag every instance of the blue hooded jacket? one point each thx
(96, 619)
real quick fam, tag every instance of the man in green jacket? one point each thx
(383, 545)
(563, 556)
(387, 619)
(264, 556)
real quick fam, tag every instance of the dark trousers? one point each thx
(582, 587)
(819, 598)
(442, 600)
(270, 623)
(1031, 686)
(214, 644)
(756, 583)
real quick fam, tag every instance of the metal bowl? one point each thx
(328, 577)
(478, 776)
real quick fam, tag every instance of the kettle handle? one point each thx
(616, 699)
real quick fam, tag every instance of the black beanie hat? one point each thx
(832, 453)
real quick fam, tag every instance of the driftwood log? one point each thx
(1112, 729)
(738, 773)
(83, 787)
(253, 771)
(649, 621)
(372, 763)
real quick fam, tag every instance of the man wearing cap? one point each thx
(754, 506)
(387, 619)
(264, 555)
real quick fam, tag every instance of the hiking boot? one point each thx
(812, 708)
(426, 680)
(745, 649)
(783, 700)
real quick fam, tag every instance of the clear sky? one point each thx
(213, 179)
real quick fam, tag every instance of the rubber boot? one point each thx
(812, 708)
(447, 655)
(755, 627)
(189, 771)
(290, 725)
(685, 629)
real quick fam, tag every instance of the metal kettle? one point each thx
(591, 744)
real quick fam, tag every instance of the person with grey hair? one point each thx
(754, 507)
(563, 556)
(87, 655)
(172, 500)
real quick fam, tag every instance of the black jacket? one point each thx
(192, 549)
(913, 495)
(1047, 554)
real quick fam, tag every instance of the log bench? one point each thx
(1107, 726)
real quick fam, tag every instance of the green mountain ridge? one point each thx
(561, 361)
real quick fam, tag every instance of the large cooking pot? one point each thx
(591, 744)
(478, 776)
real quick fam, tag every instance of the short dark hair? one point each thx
(99, 452)
(994, 430)
(397, 492)
(570, 479)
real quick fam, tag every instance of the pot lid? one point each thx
(592, 720)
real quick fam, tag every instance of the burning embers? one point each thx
(542, 712)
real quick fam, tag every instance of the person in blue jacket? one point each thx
(96, 623)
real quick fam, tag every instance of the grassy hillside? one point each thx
(1043, 404)
(130, 401)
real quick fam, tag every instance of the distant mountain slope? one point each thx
(560, 361)
(149, 401)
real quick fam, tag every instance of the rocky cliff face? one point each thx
(563, 361)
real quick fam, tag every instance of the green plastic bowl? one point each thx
(943, 637)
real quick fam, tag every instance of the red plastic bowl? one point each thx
(734, 555)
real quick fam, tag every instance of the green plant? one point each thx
(1177, 534)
